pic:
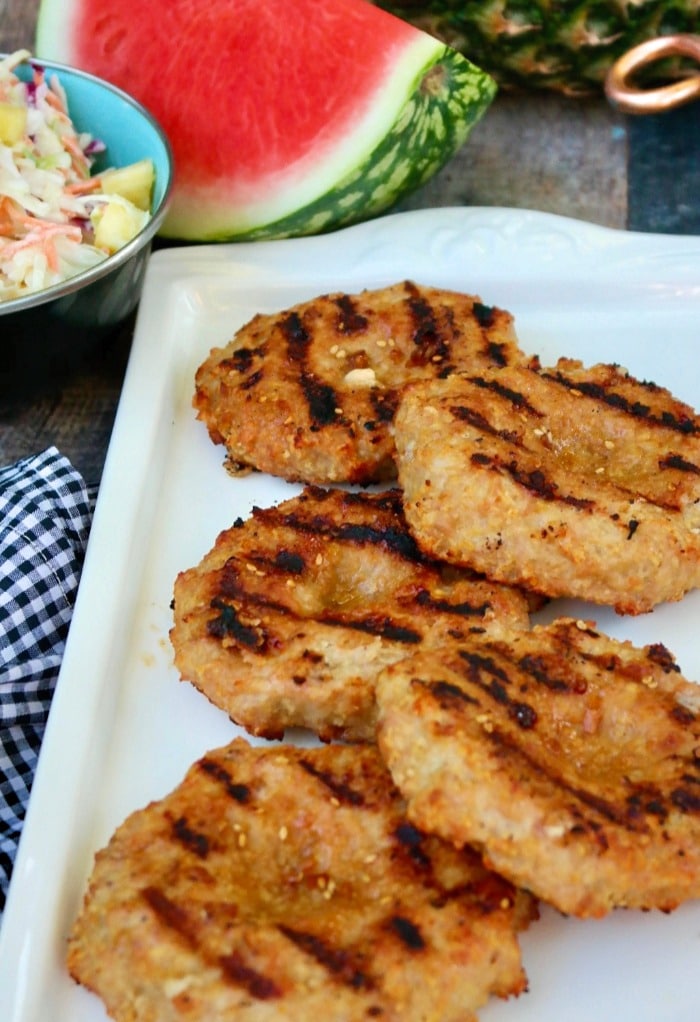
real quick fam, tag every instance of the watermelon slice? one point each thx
(286, 117)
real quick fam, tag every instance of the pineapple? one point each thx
(116, 223)
(563, 45)
(134, 182)
(120, 219)
(13, 123)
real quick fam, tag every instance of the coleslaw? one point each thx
(56, 218)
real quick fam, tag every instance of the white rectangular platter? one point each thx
(123, 729)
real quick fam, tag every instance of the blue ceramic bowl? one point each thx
(45, 334)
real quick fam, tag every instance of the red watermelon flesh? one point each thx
(266, 102)
(281, 102)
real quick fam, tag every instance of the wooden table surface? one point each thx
(577, 158)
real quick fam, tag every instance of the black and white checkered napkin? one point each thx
(45, 514)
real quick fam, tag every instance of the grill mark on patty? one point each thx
(242, 359)
(340, 963)
(497, 353)
(686, 801)
(661, 655)
(192, 839)
(513, 397)
(321, 399)
(424, 599)
(431, 340)
(289, 561)
(239, 792)
(606, 661)
(635, 409)
(445, 692)
(622, 816)
(407, 932)
(489, 894)
(338, 788)
(384, 403)
(524, 715)
(232, 965)
(374, 624)
(172, 915)
(228, 625)
(480, 422)
(533, 480)
(646, 799)
(486, 893)
(682, 714)
(678, 462)
(393, 538)
(351, 320)
(411, 839)
(252, 380)
(258, 985)
(536, 667)
(388, 500)
(487, 317)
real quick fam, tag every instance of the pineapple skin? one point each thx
(566, 46)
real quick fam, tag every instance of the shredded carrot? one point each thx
(84, 187)
(79, 163)
(10, 215)
(40, 238)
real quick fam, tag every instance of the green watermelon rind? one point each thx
(430, 128)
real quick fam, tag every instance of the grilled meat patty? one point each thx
(289, 618)
(283, 882)
(569, 759)
(570, 481)
(309, 393)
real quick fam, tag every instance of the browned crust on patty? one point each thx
(569, 759)
(290, 617)
(570, 481)
(309, 393)
(287, 883)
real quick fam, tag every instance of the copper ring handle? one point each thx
(631, 99)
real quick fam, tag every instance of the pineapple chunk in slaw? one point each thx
(50, 204)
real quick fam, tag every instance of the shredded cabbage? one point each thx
(49, 202)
